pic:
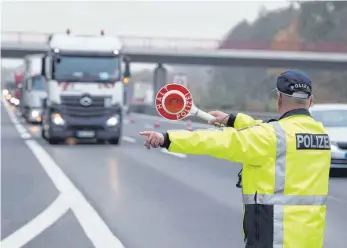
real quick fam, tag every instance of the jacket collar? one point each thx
(300, 111)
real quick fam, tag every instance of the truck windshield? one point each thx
(86, 69)
(37, 83)
(10, 85)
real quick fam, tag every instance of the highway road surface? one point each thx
(94, 195)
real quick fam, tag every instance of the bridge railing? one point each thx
(186, 43)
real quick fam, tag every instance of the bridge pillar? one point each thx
(159, 79)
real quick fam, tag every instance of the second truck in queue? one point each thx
(85, 89)
(33, 89)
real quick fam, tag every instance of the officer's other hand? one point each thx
(219, 117)
(154, 139)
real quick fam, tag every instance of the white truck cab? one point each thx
(85, 89)
(33, 90)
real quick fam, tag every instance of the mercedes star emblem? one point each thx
(86, 101)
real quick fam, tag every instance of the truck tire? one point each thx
(53, 141)
(43, 136)
(100, 141)
(26, 113)
(115, 141)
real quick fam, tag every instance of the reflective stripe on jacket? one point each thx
(285, 175)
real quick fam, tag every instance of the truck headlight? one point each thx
(5, 92)
(57, 119)
(35, 113)
(15, 101)
(113, 121)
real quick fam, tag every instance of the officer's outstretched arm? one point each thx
(253, 145)
(241, 120)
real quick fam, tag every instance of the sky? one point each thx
(187, 19)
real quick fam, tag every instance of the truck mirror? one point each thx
(44, 103)
(127, 73)
(43, 66)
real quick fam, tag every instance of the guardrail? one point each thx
(187, 43)
(150, 110)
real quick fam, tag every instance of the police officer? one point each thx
(285, 171)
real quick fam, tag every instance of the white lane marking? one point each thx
(14, 120)
(180, 155)
(37, 225)
(129, 139)
(25, 136)
(126, 121)
(94, 227)
(19, 127)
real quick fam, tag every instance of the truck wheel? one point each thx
(53, 141)
(27, 120)
(115, 141)
(100, 141)
(26, 113)
(43, 136)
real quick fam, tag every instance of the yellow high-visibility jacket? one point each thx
(285, 175)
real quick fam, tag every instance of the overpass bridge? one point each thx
(198, 52)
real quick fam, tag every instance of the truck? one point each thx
(18, 83)
(85, 78)
(33, 91)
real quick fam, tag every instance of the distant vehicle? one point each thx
(334, 118)
(8, 90)
(18, 83)
(33, 91)
(85, 88)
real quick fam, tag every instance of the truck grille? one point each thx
(342, 145)
(73, 107)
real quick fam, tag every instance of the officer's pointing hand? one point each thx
(220, 117)
(154, 139)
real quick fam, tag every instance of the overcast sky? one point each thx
(193, 19)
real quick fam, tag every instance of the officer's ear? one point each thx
(311, 101)
(279, 98)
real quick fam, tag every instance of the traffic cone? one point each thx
(189, 125)
(156, 123)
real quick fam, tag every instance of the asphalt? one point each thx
(148, 199)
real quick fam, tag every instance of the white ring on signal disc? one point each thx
(170, 93)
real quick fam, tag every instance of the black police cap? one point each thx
(294, 83)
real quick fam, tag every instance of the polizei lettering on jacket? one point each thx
(312, 141)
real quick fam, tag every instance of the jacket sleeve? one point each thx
(240, 121)
(253, 145)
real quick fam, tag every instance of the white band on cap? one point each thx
(300, 95)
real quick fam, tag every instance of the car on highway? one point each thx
(334, 118)
(9, 93)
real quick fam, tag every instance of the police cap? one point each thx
(294, 83)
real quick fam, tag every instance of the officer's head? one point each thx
(294, 90)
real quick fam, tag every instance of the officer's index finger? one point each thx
(146, 133)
